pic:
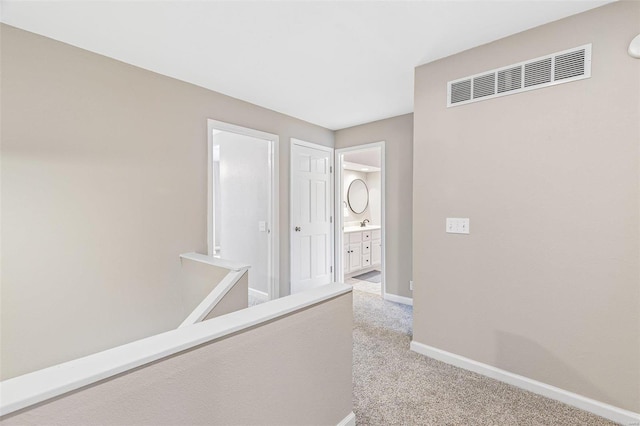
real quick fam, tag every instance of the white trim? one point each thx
(260, 295)
(274, 196)
(311, 145)
(213, 298)
(350, 420)
(398, 299)
(332, 228)
(215, 261)
(338, 214)
(33, 388)
(274, 253)
(596, 407)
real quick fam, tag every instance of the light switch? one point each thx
(262, 226)
(464, 225)
(457, 225)
(451, 222)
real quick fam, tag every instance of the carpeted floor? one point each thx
(395, 386)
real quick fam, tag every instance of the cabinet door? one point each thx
(355, 257)
(346, 255)
(376, 252)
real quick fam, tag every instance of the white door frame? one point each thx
(339, 245)
(274, 197)
(332, 228)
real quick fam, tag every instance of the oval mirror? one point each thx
(358, 196)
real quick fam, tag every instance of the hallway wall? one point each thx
(104, 184)
(546, 285)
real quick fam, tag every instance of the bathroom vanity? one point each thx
(362, 248)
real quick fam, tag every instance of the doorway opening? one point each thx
(360, 212)
(243, 203)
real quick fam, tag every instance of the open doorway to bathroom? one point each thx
(360, 214)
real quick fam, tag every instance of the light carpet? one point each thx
(395, 386)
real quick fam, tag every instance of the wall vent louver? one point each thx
(550, 70)
(461, 91)
(484, 85)
(510, 79)
(569, 65)
(538, 72)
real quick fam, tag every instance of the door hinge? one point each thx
(330, 169)
(331, 269)
(330, 219)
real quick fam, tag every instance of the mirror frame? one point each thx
(349, 196)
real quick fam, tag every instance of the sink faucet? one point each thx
(364, 223)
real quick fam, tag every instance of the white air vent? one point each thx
(510, 79)
(538, 72)
(461, 91)
(485, 85)
(560, 67)
(569, 65)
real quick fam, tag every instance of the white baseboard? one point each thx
(350, 420)
(602, 409)
(260, 295)
(398, 299)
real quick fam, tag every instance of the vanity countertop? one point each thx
(348, 229)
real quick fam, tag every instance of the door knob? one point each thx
(297, 229)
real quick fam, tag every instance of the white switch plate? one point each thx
(262, 226)
(411, 285)
(457, 225)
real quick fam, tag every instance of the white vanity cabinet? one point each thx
(376, 247)
(362, 249)
(354, 259)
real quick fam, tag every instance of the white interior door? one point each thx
(311, 221)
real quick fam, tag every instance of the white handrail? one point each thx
(236, 271)
(33, 388)
(215, 261)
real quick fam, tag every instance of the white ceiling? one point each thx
(335, 64)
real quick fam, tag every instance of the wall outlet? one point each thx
(457, 225)
(411, 285)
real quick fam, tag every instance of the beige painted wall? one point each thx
(235, 299)
(547, 285)
(397, 132)
(295, 370)
(104, 169)
(197, 280)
